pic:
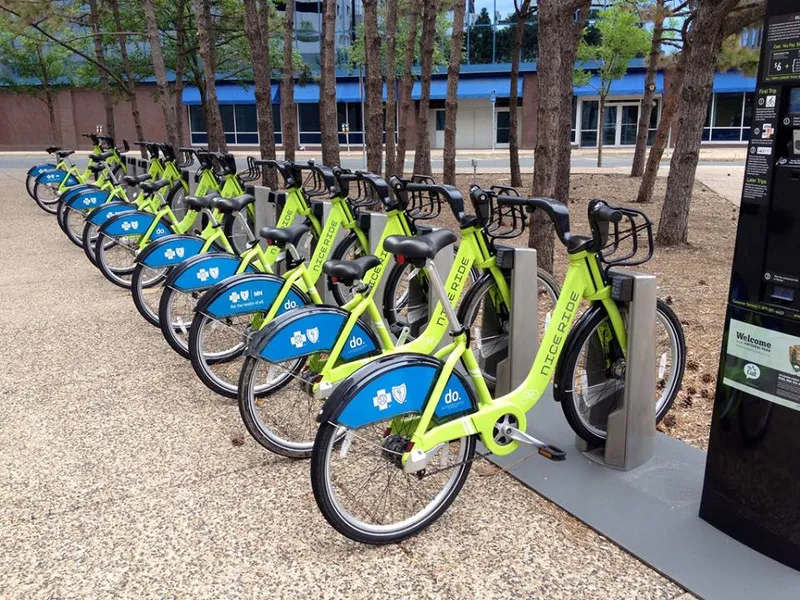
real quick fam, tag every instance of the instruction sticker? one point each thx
(763, 363)
(783, 49)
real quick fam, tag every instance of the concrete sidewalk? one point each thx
(123, 476)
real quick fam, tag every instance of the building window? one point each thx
(503, 126)
(239, 123)
(589, 120)
(652, 129)
(574, 133)
(350, 113)
(729, 117)
(441, 118)
(308, 122)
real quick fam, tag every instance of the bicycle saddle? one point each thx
(151, 187)
(284, 235)
(349, 271)
(228, 205)
(99, 157)
(64, 153)
(97, 168)
(133, 181)
(201, 202)
(51, 149)
(421, 246)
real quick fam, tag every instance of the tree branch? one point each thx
(743, 17)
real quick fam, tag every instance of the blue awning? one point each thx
(733, 81)
(631, 84)
(478, 87)
(229, 94)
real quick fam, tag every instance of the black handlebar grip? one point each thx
(604, 212)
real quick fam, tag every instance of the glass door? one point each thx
(610, 123)
(628, 124)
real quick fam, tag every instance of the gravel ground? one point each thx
(121, 475)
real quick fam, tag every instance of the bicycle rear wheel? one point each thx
(72, 222)
(361, 488)
(591, 381)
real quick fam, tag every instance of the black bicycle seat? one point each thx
(420, 246)
(64, 153)
(284, 235)
(134, 180)
(229, 205)
(102, 156)
(151, 187)
(348, 271)
(97, 168)
(201, 202)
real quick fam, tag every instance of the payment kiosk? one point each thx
(751, 488)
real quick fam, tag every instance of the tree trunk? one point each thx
(49, 99)
(216, 135)
(704, 44)
(255, 25)
(374, 87)
(167, 106)
(130, 88)
(648, 100)
(601, 121)
(105, 88)
(650, 175)
(559, 33)
(406, 85)
(288, 109)
(391, 87)
(422, 155)
(180, 67)
(451, 103)
(513, 139)
(329, 124)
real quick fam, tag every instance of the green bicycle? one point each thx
(397, 438)
(282, 382)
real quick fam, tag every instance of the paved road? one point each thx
(123, 476)
(485, 163)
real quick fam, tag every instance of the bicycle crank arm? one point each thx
(547, 450)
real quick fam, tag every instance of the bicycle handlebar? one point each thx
(452, 193)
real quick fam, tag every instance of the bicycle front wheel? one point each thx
(46, 196)
(591, 381)
(361, 488)
(147, 284)
(489, 319)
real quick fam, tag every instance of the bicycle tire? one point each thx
(230, 360)
(327, 445)
(470, 307)
(248, 397)
(234, 233)
(166, 311)
(72, 222)
(139, 285)
(594, 433)
(46, 200)
(176, 200)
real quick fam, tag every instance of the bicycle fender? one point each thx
(36, 170)
(309, 330)
(394, 385)
(579, 324)
(135, 222)
(248, 293)
(56, 177)
(86, 199)
(203, 271)
(170, 250)
(102, 213)
(75, 190)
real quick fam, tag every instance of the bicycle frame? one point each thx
(472, 251)
(583, 281)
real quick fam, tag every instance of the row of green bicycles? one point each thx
(389, 385)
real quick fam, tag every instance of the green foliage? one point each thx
(353, 56)
(30, 62)
(622, 38)
(735, 57)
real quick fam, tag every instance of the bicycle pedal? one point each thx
(552, 453)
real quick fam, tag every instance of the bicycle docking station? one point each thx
(630, 427)
(643, 489)
(132, 165)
